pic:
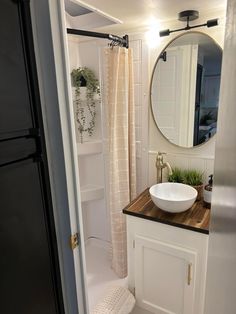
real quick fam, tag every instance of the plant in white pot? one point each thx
(87, 92)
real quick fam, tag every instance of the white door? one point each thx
(166, 96)
(49, 29)
(164, 277)
(173, 94)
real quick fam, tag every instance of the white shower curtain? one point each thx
(119, 90)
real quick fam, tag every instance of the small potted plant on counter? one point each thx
(176, 176)
(195, 179)
(191, 177)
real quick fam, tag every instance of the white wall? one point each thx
(201, 157)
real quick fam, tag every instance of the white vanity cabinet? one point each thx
(166, 267)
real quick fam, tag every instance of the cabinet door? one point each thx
(164, 277)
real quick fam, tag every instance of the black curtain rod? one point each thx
(124, 41)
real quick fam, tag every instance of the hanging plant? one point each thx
(84, 77)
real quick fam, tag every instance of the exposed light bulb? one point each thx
(152, 37)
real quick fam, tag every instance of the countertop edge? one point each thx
(197, 218)
(170, 223)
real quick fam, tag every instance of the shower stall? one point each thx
(86, 51)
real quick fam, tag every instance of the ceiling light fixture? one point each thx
(187, 16)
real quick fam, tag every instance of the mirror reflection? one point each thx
(185, 89)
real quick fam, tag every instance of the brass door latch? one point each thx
(74, 240)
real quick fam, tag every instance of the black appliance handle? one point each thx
(31, 133)
(35, 157)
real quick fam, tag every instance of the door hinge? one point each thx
(74, 240)
(134, 291)
(133, 244)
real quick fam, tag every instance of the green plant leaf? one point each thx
(85, 75)
(176, 176)
(191, 177)
(92, 83)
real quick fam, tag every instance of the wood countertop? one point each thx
(197, 218)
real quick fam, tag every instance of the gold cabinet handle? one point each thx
(189, 273)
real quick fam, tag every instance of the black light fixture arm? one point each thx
(187, 27)
(188, 16)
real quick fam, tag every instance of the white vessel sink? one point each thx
(173, 197)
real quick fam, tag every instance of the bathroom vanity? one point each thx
(167, 256)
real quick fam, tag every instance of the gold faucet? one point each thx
(160, 165)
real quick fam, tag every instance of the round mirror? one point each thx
(185, 89)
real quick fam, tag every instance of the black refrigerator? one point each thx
(30, 281)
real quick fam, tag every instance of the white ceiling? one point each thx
(142, 13)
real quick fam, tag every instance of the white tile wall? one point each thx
(137, 45)
(137, 72)
(138, 114)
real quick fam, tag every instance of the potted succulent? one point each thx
(191, 177)
(87, 92)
